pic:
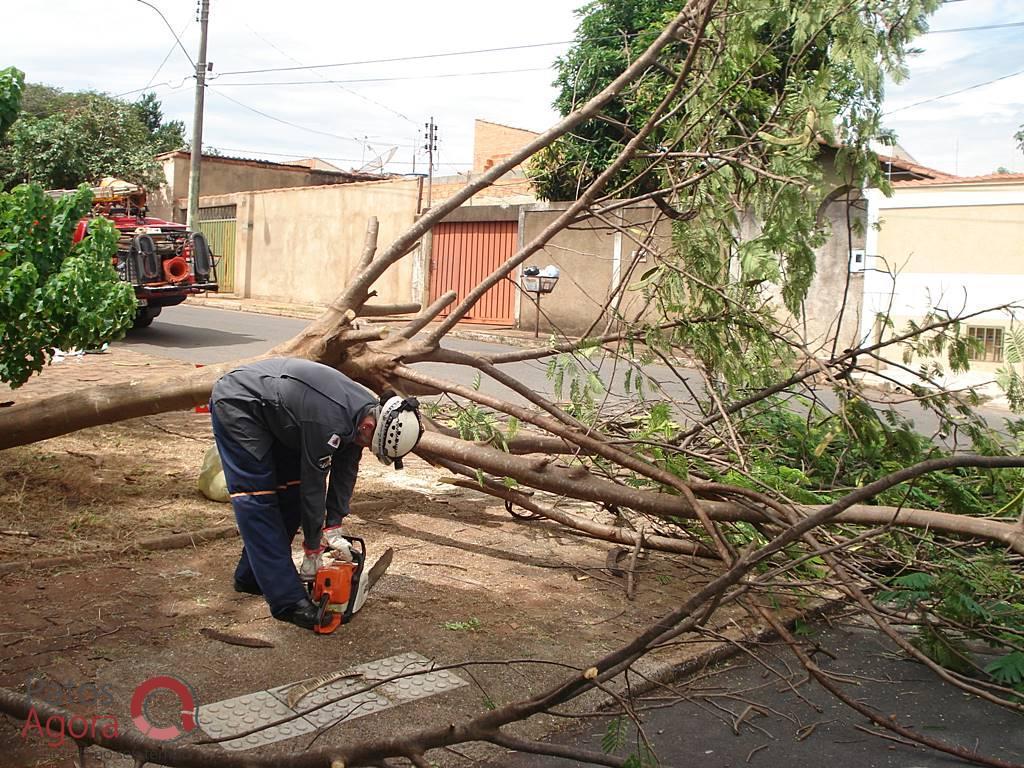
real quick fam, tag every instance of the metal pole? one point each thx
(536, 324)
(430, 146)
(196, 157)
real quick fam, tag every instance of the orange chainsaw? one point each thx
(340, 589)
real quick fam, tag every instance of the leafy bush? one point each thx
(53, 295)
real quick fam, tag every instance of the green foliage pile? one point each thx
(808, 454)
(973, 611)
(64, 139)
(1011, 375)
(960, 595)
(53, 295)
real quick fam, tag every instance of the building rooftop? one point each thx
(299, 166)
(901, 170)
(991, 178)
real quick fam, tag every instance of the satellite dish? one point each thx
(376, 165)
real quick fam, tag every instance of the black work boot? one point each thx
(302, 614)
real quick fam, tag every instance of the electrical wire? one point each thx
(338, 83)
(169, 52)
(976, 29)
(359, 141)
(954, 93)
(390, 79)
(165, 84)
(524, 46)
(323, 157)
(418, 57)
(177, 39)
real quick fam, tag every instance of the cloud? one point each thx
(118, 47)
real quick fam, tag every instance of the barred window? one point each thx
(990, 344)
(217, 212)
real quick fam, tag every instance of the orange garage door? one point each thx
(464, 253)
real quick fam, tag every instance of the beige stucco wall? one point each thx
(221, 176)
(977, 239)
(300, 245)
(586, 255)
(956, 248)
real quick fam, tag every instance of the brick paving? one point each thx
(70, 373)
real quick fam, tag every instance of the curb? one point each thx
(508, 337)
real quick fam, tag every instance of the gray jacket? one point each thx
(311, 409)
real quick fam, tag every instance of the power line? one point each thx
(954, 93)
(177, 39)
(400, 58)
(323, 157)
(524, 46)
(975, 29)
(390, 79)
(287, 122)
(340, 86)
(166, 84)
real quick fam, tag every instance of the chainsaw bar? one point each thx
(371, 577)
(379, 568)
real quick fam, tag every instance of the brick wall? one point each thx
(509, 189)
(493, 143)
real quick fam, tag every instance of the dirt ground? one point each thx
(469, 583)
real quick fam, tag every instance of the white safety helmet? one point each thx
(398, 429)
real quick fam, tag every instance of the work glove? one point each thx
(339, 545)
(312, 562)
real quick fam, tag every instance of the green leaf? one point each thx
(614, 736)
(1008, 669)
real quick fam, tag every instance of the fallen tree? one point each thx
(707, 142)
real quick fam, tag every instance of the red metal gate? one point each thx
(464, 253)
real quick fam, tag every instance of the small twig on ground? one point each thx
(806, 731)
(247, 642)
(148, 423)
(631, 570)
(755, 750)
(444, 565)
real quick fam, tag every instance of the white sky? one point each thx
(117, 46)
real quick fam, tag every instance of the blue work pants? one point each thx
(265, 498)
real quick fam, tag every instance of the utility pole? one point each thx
(196, 155)
(431, 146)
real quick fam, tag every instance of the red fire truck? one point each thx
(163, 260)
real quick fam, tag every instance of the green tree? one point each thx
(52, 294)
(12, 86)
(789, 100)
(165, 136)
(66, 139)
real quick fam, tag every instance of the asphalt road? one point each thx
(205, 335)
(741, 715)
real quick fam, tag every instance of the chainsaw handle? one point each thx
(361, 552)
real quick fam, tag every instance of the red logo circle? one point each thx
(188, 706)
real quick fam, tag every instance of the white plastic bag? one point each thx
(211, 477)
